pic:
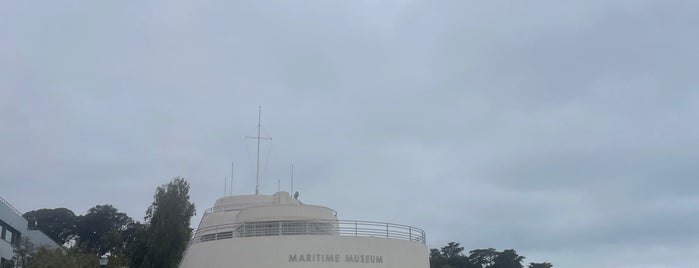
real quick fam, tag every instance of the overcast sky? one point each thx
(565, 130)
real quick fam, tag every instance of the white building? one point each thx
(12, 228)
(261, 231)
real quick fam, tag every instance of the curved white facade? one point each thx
(279, 231)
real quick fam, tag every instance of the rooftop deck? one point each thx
(309, 227)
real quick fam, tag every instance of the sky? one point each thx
(563, 129)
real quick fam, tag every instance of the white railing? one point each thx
(309, 227)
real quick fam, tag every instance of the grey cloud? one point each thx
(563, 130)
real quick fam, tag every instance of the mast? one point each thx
(232, 165)
(259, 138)
(257, 173)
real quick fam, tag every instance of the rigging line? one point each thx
(269, 149)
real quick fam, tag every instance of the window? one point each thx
(294, 227)
(260, 228)
(15, 239)
(269, 228)
(9, 234)
(5, 263)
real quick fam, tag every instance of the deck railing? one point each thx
(309, 227)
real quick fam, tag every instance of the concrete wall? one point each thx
(307, 251)
(6, 250)
(10, 217)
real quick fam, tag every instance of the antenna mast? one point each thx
(232, 165)
(257, 170)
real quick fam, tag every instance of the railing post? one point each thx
(355, 228)
(386, 230)
(410, 233)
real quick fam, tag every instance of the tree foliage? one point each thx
(436, 259)
(24, 252)
(58, 223)
(101, 229)
(508, 259)
(451, 256)
(483, 257)
(70, 258)
(452, 250)
(138, 247)
(167, 233)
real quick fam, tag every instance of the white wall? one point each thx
(10, 216)
(276, 251)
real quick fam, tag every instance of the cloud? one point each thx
(563, 130)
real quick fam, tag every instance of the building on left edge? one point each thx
(13, 227)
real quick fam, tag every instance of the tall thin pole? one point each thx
(257, 174)
(259, 138)
(292, 178)
(232, 166)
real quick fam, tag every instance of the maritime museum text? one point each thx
(348, 258)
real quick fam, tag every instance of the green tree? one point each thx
(436, 259)
(483, 258)
(452, 254)
(137, 245)
(100, 230)
(508, 259)
(59, 223)
(168, 231)
(452, 250)
(60, 258)
(449, 256)
(23, 253)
